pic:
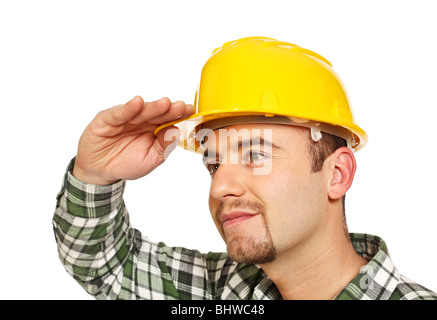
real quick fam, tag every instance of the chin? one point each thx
(251, 250)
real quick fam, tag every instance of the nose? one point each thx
(227, 182)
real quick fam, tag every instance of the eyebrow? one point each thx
(252, 142)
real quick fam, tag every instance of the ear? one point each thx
(342, 171)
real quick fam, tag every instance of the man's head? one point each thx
(295, 198)
(275, 200)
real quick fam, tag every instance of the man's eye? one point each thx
(212, 167)
(254, 157)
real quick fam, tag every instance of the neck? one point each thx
(322, 274)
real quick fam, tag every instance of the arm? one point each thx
(96, 243)
(92, 231)
(111, 260)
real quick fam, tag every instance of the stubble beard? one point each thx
(251, 250)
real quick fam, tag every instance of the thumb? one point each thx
(168, 140)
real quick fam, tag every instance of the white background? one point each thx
(63, 61)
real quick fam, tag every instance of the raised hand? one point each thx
(119, 142)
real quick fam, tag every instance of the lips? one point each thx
(236, 217)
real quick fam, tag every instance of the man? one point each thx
(277, 135)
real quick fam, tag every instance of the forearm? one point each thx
(93, 234)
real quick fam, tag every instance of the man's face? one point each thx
(264, 199)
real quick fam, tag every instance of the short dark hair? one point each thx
(320, 150)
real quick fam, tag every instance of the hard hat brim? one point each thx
(189, 126)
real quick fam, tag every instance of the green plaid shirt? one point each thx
(111, 260)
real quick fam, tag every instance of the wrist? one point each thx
(89, 178)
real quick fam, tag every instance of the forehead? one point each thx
(280, 135)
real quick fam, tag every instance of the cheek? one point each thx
(293, 205)
(282, 189)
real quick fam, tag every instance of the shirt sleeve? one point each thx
(111, 260)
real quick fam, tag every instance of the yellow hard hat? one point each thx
(265, 80)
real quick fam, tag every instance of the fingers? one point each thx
(121, 114)
(162, 111)
(136, 111)
(188, 111)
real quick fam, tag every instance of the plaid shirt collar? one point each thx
(379, 278)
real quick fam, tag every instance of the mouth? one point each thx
(236, 217)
